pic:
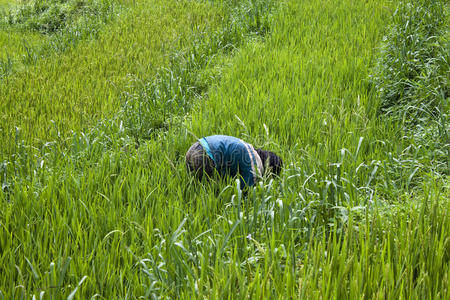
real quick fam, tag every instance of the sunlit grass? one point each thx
(14, 43)
(75, 88)
(6, 3)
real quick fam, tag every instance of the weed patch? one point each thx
(49, 16)
(411, 79)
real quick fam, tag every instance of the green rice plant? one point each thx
(342, 220)
(173, 91)
(12, 44)
(5, 3)
(96, 83)
(51, 156)
(402, 276)
(6, 67)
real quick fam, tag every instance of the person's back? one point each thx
(228, 155)
(232, 156)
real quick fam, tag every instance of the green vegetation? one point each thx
(16, 46)
(38, 29)
(5, 3)
(14, 43)
(53, 15)
(108, 210)
(75, 88)
(412, 78)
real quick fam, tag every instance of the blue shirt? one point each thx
(231, 156)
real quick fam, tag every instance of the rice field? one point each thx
(96, 201)
(5, 3)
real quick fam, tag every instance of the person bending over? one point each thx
(230, 156)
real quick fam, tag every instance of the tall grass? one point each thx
(94, 214)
